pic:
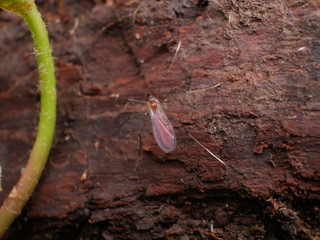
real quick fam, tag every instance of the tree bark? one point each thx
(262, 121)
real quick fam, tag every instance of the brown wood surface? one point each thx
(263, 120)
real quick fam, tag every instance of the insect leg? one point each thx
(204, 89)
(140, 146)
(173, 90)
(168, 71)
(131, 116)
(140, 143)
(201, 145)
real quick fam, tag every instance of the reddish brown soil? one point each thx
(263, 121)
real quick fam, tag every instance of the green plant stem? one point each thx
(22, 191)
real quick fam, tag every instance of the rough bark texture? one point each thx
(263, 120)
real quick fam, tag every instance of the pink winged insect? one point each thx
(161, 126)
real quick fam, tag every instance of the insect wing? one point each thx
(162, 130)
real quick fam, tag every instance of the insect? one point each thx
(162, 128)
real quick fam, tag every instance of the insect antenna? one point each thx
(137, 101)
(169, 69)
